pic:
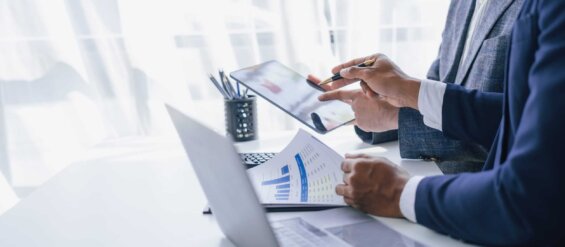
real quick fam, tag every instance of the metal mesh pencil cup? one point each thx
(241, 118)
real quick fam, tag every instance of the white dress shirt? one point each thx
(430, 104)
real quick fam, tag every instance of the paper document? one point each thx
(305, 172)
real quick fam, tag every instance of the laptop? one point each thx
(231, 195)
(240, 215)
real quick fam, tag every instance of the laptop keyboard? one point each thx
(254, 159)
(289, 238)
(297, 232)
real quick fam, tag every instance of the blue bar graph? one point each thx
(283, 186)
(283, 196)
(303, 178)
(283, 183)
(280, 180)
(284, 170)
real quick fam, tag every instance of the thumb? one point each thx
(353, 72)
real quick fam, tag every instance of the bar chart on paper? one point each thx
(306, 172)
(281, 184)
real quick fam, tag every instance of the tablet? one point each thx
(290, 92)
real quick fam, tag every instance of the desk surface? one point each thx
(143, 192)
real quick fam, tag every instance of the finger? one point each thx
(343, 95)
(340, 189)
(341, 83)
(349, 202)
(343, 190)
(316, 80)
(346, 165)
(350, 63)
(352, 73)
(356, 156)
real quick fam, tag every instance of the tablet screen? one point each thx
(290, 92)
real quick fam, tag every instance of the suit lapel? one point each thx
(460, 34)
(493, 12)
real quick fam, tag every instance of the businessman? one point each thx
(472, 54)
(518, 198)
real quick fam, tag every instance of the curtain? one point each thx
(75, 73)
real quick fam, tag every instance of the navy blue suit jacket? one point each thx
(519, 197)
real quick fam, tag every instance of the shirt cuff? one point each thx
(408, 198)
(430, 102)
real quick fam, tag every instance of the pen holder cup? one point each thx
(241, 118)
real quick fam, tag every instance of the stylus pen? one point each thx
(337, 76)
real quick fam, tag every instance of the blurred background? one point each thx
(75, 73)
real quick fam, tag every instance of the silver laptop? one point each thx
(232, 197)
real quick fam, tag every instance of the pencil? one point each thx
(337, 76)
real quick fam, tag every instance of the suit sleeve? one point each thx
(376, 137)
(521, 201)
(471, 115)
(418, 141)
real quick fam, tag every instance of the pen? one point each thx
(224, 84)
(245, 93)
(217, 85)
(337, 76)
(229, 86)
(238, 92)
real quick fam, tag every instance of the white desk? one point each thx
(142, 192)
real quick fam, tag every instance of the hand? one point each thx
(372, 114)
(372, 185)
(384, 78)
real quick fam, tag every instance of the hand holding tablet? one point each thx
(287, 90)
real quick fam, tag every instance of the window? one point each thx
(75, 73)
